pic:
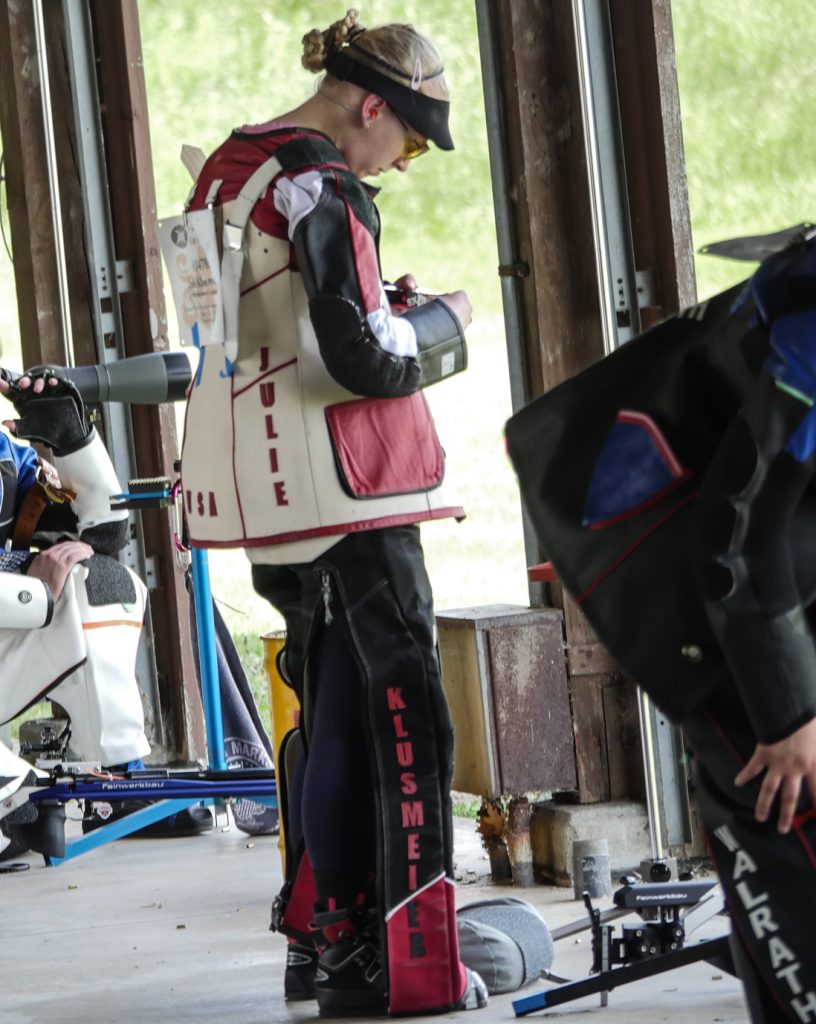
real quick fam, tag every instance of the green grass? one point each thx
(747, 95)
(40, 710)
(465, 805)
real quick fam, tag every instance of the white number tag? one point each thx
(190, 251)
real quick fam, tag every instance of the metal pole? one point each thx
(107, 281)
(208, 656)
(53, 177)
(606, 169)
(666, 793)
(650, 775)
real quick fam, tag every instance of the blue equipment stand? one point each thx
(171, 791)
(210, 689)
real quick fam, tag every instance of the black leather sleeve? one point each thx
(325, 250)
(746, 562)
(352, 354)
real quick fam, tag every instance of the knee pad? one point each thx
(109, 582)
(287, 765)
(102, 696)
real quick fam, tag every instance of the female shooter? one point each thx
(309, 443)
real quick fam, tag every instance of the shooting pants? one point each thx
(769, 879)
(85, 660)
(375, 583)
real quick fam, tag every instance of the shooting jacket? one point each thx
(25, 602)
(318, 427)
(672, 486)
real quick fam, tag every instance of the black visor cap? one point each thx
(426, 115)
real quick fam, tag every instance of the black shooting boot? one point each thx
(38, 827)
(300, 976)
(350, 977)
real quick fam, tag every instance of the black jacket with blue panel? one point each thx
(672, 486)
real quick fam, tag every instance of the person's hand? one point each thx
(37, 386)
(49, 408)
(7, 377)
(787, 764)
(407, 283)
(53, 565)
(460, 304)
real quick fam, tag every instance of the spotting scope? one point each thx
(150, 379)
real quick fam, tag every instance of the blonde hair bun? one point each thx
(318, 45)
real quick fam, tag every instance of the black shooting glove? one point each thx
(55, 416)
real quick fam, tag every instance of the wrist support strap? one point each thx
(442, 351)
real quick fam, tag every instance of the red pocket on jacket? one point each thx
(385, 446)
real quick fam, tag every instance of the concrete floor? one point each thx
(160, 931)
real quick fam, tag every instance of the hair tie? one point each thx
(368, 55)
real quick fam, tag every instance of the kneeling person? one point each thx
(70, 614)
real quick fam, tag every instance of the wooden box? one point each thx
(505, 678)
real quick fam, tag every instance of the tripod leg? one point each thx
(616, 977)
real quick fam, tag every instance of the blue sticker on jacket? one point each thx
(802, 443)
(636, 467)
(792, 359)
